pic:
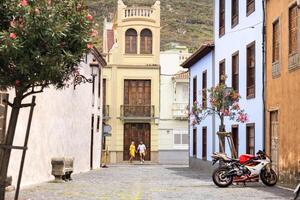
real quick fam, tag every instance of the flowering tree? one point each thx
(41, 43)
(224, 102)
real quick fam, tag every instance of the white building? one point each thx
(65, 122)
(173, 125)
(202, 138)
(238, 37)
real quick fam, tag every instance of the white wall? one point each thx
(61, 126)
(205, 64)
(170, 65)
(235, 39)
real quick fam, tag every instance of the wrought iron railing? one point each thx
(137, 111)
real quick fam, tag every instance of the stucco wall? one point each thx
(282, 93)
(236, 39)
(61, 126)
(205, 64)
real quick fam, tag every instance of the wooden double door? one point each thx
(137, 132)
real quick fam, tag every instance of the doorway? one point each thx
(275, 140)
(137, 132)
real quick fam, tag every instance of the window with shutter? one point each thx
(250, 7)
(221, 17)
(235, 71)
(222, 75)
(131, 41)
(204, 88)
(276, 41)
(146, 41)
(293, 16)
(234, 12)
(251, 70)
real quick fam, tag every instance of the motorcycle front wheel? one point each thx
(220, 179)
(268, 177)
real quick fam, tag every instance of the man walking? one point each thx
(142, 151)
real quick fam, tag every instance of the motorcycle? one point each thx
(248, 168)
(297, 191)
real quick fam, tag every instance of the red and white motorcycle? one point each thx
(248, 168)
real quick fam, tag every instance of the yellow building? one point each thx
(131, 44)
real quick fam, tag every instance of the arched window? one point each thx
(131, 41)
(146, 41)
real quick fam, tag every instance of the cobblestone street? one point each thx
(146, 182)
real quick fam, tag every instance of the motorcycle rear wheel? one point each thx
(219, 178)
(269, 178)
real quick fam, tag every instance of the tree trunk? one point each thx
(221, 137)
(5, 152)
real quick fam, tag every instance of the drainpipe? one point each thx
(214, 115)
(264, 72)
(189, 121)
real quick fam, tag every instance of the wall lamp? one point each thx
(79, 78)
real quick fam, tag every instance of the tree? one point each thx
(41, 43)
(224, 103)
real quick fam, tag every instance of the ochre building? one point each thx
(131, 80)
(283, 88)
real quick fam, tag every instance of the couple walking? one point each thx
(141, 150)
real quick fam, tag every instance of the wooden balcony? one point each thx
(180, 111)
(135, 112)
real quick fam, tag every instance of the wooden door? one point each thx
(235, 140)
(274, 133)
(204, 143)
(137, 98)
(137, 132)
(195, 142)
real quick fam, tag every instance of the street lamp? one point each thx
(79, 78)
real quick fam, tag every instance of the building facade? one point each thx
(173, 123)
(65, 123)
(202, 136)
(238, 37)
(283, 88)
(132, 47)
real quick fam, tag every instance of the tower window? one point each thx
(146, 41)
(131, 41)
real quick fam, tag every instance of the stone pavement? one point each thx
(147, 182)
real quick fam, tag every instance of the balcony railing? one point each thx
(138, 12)
(180, 111)
(105, 112)
(134, 111)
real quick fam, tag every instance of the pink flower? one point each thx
(89, 17)
(89, 45)
(94, 33)
(13, 36)
(24, 3)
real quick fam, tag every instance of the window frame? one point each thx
(294, 5)
(249, 67)
(248, 147)
(131, 49)
(252, 10)
(223, 65)
(235, 73)
(222, 21)
(204, 89)
(275, 22)
(234, 16)
(144, 39)
(204, 143)
(195, 89)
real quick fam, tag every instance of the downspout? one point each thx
(264, 73)
(214, 115)
(189, 121)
